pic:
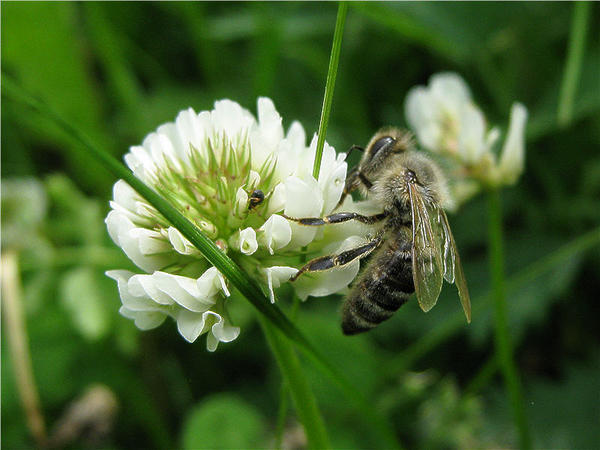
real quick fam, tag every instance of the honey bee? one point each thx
(412, 249)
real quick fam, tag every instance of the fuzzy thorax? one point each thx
(391, 190)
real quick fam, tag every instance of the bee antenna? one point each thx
(354, 147)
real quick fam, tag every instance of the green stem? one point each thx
(504, 349)
(304, 400)
(284, 391)
(281, 414)
(574, 63)
(334, 59)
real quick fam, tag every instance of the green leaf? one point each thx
(82, 295)
(564, 410)
(108, 45)
(574, 62)
(304, 400)
(76, 219)
(223, 421)
(42, 47)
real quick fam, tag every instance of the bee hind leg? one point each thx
(346, 257)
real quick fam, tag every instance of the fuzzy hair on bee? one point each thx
(412, 247)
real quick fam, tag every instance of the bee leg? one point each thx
(328, 262)
(352, 182)
(352, 179)
(338, 218)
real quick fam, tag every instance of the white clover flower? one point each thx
(209, 165)
(446, 121)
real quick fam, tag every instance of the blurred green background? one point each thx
(118, 70)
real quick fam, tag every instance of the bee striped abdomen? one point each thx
(385, 285)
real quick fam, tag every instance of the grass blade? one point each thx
(334, 59)
(568, 89)
(504, 349)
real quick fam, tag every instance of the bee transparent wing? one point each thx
(427, 261)
(453, 271)
(445, 238)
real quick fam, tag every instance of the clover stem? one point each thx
(504, 348)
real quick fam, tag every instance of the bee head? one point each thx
(411, 169)
(382, 147)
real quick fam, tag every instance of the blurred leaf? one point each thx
(41, 46)
(448, 421)
(356, 356)
(223, 421)
(38, 289)
(121, 80)
(586, 101)
(398, 19)
(24, 207)
(84, 294)
(303, 24)
(76, 217)
(530, 303)
(564, 412)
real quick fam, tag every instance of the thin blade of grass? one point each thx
(568, 89)
(334, 60)
(504, 347)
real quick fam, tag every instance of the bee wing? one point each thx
(427, 262)
(453, 271)
(448, 248)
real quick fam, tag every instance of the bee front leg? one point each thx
(352, 183)
(330, 261)
(338, 218)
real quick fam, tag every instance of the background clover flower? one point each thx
(209, 165)
(447, 121)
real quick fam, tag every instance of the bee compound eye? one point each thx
(380, 143)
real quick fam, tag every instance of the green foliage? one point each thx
(223, 421)
(563, 409)
(81, 292)
(118, 70)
